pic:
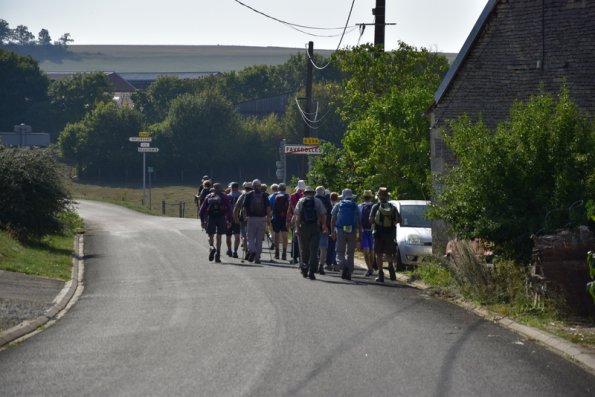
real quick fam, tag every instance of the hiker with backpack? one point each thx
(234, 228)
(257, 209)
(366, 244)
(293, 200)
(345, 226)
(240, 217)
(310, 223)
(324, 237)
(279, 208)
(331, 253)
(384, 218)
(215, 215)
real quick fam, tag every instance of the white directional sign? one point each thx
(145, 144)
(148, 149)
(139, 139)
(302, 149)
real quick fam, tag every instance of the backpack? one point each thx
(281, 205)
(215, 205)
(255, 204)
(308, 213)
(347, 216)
(366, 209)
(385, 215)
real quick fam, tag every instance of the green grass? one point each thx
(50, 257)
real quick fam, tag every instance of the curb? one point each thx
(60, 302)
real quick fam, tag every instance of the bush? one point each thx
(32, 196)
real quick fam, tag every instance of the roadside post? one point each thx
(144, 147)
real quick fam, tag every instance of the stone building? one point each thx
(514, 47)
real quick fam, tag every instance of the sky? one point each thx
(439, 25)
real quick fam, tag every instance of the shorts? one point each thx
(233, 229)
(384, 244)
(323, 240)
(216, 225)
(367, 240)
(279, 224)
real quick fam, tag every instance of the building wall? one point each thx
(523, 44)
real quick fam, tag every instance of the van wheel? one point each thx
(399, 263)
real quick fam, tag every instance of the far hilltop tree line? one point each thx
(23, 37)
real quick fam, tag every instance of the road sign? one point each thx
(145, 144)
(303, 149)
(311, 141)
(143, 134)
(148, 149)
(139, 139)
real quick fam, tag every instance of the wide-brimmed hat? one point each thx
(301, 185)
(256, 182)
(383, 192)
(309, 189)
(320, 190)
(347, 194)
(368, 194)
(247, 185)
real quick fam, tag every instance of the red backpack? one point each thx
(281, 206)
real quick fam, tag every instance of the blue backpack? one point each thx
(347, 215)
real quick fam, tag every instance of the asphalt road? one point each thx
(156, 318)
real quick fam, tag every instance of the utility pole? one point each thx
(308, 105)
(380, 23)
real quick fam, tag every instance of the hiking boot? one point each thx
(311, 276)
(276, 254)
(369, 273)
(251, 256)
(257, 261)
(391, 272)
(246, 256)
(380, 278)
(321, 270)
(284, 256)
(212, 254)
(345, 273)
(304, 271)
(217, 259)
(229, 253)
(235, 254)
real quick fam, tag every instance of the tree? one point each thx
(64, 40)
(5, 32)
(24, 91)
(98, 144)
(383, 103)
(32, 195)
(521, 180)
(76, 95)
(154, 102)
(22, 35)
(43, 38)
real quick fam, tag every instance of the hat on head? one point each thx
(247, 185)
(320, 191)
(256, 182)
(204, 178)
(383, 192)
(368, 194)
(347, 194)
(234, 185)
(309, 189)
(301, 185)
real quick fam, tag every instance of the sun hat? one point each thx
(256, 182)
(347, 194)
(320, 191)
(247, 185)
(368, 194)
(301, 185)
(309, 189)
(383, 192)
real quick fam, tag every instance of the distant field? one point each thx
(162, 58)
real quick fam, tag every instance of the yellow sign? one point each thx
(311, 141)
(144, 134)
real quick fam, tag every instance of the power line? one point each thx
(288, 23)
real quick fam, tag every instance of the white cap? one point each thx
(301, 185)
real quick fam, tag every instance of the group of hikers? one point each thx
(327, 225)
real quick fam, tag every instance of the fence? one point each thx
(181, 208)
